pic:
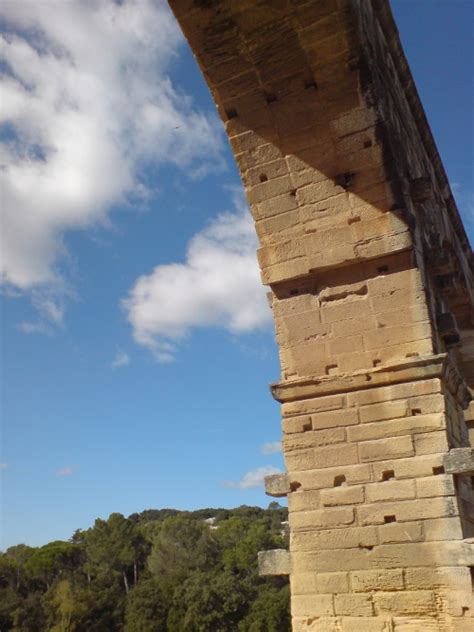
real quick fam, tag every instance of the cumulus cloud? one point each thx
(68, 470)
(218, 285)
(3, 465)
(87, 104)
(273, 447)
(254, 478)
(121, 359)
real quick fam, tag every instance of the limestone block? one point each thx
(323, 518)
(407, 510)
(389, 556)
(310, 439)
(335, 418)
(388, 336)
(459, 461)
(390, 490)
(397, 427)
(347, 538)
(454, 578)
(354, 604)
(442, 485)
(312, 605)
(304, 500)
(301, 423)
(415, 624)
(313, 405)
(443, 529)
(431, 443)
(312, 624)
(380, 580)
(332, 582)
(274, 562)
(403, 532)
(307, 583)
(342, 496)
(277, 485)
(393, 392)
(366, 624)
(328, 456)
(415, 602)
(328, 478)
(383, 410)
(381, 449)
(413, 467)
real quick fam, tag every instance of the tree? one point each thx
(182, 546)
(147, 607)
(114, 546)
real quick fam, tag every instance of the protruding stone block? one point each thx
(277, 485)
(459, 461)
(274, 562)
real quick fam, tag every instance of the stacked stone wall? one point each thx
(370, 274)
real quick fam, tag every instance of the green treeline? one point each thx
(160, 570)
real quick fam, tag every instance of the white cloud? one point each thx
(68, 470)
(273, 447)
(3, 465)
(87, 103)
(254, 478)
(121, 359)
(218, 285)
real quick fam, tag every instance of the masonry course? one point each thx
(371, 281)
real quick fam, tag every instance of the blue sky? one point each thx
(137, 346)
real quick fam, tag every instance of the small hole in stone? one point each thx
(465, 610)
(331, 368)
(339, 480)
(377, 362)
(366, 547)
(388, 475)
(293, 192)
(294, 292)
(471, 569)
(231, 113)
(367, 143)
(388, 519)
(307, 427)
(269, 97)
(353, 220)
(416, 411)
(263, 177)
(438, 469)
(368, 378)
(310, 84)
(412, 355)
(294, 486)
(382, 269)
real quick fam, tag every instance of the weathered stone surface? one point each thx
(372, 293)
(274, 562)
(459, 461)
(277, 485)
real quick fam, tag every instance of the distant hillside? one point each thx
(155, 571)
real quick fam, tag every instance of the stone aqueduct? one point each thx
(370, 273)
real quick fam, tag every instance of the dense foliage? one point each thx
(160, 570)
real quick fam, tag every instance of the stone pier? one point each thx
(371, 282)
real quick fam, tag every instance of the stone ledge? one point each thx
(274, 562)
(459, 461)
(277, 485)
(408, 370)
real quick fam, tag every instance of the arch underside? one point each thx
(370, 272)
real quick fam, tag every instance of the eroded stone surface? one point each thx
(371, 276)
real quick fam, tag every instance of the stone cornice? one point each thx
(409, 370)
